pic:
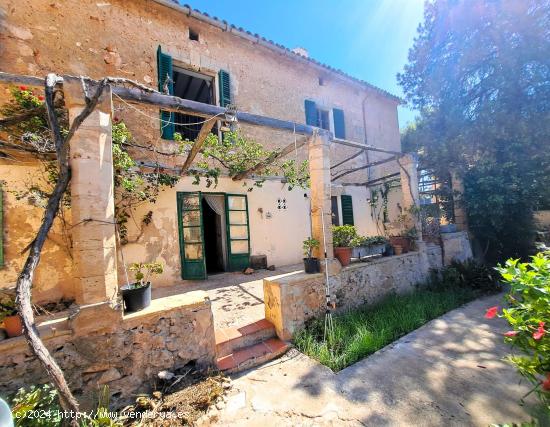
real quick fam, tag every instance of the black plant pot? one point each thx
(136, 298)
(312, 265)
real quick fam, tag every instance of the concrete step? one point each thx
(251, 356)
(229, 340)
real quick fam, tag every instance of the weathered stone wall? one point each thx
(22, 214)
(456, 247)
(293, 299)
(120, 38)
(170, 333)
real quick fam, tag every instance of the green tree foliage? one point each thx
(479, 73)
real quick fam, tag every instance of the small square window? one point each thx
(321, 81)
(193, 35)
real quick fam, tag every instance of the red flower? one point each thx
(116, 119)
(23, 87)
(41, 98)
(511, 333)
(491, 312)
(540, 331)
(546, 383)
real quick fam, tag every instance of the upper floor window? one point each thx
(321, 118)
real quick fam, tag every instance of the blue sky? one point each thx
(368, 39)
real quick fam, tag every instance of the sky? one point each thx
(368, 39)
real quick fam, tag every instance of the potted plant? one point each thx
(342, 237)
(137, 295)
(367, 246)
(10, 316)
(311, 264)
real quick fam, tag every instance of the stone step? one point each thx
(252, 356)
(229, 340)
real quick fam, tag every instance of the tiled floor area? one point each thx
(237, 299)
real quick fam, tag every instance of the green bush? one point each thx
(343, 235)
(38, 399)
(529, 316)
(468, 274)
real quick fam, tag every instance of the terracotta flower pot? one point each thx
(343, 255)
(13, 325)
(402, 241)
(397, 249)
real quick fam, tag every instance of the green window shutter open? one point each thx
(311, 113)
(164, 68)
(225, 88)
(339, 123)
(347, 210)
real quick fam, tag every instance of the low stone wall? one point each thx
(293, 299)
(456, 247)
(126, 356)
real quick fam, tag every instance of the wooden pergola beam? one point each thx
(364, 146)
(197, 145)
(361, 151)
(368, 165)
(372, 182)
(274, 157)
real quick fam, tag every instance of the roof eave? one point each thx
(256, 38)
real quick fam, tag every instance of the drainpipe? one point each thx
(365, 131)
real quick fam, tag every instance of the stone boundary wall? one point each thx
(456, 247)
(169, 334)
(293, 299)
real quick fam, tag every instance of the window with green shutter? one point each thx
(225, 88)
(312, 118)
(347, 210)
(339, 123)
(166, 84)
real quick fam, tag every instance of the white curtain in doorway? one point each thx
(216, 202)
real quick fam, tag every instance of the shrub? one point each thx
(529, 316)
(469, 274)
(38, 399)
(342, 235)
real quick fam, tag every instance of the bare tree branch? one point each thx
(24, 281)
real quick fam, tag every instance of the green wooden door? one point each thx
(193, 265)
(238, 238)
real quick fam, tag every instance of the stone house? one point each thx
(212, 62)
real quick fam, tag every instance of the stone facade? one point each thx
(120, 38)
(293, 299)
(126, 354)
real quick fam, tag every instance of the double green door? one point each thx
(191, 234)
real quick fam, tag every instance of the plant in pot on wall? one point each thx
(9, 315)
(342, 237)
(311, 264)
(137, 295)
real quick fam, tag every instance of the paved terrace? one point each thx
(450, 372)
(237, 298)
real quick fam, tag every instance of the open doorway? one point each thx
(213, 216)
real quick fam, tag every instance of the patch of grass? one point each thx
(363, 331)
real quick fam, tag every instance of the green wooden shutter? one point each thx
(190, 225)
(339, 123)
(225, 88)
(165, 70)
(347, 210)
(238, 231)
(311, 113)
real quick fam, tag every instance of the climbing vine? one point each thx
(26, 128)
(235, 154)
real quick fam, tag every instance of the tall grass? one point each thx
(363, 331)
